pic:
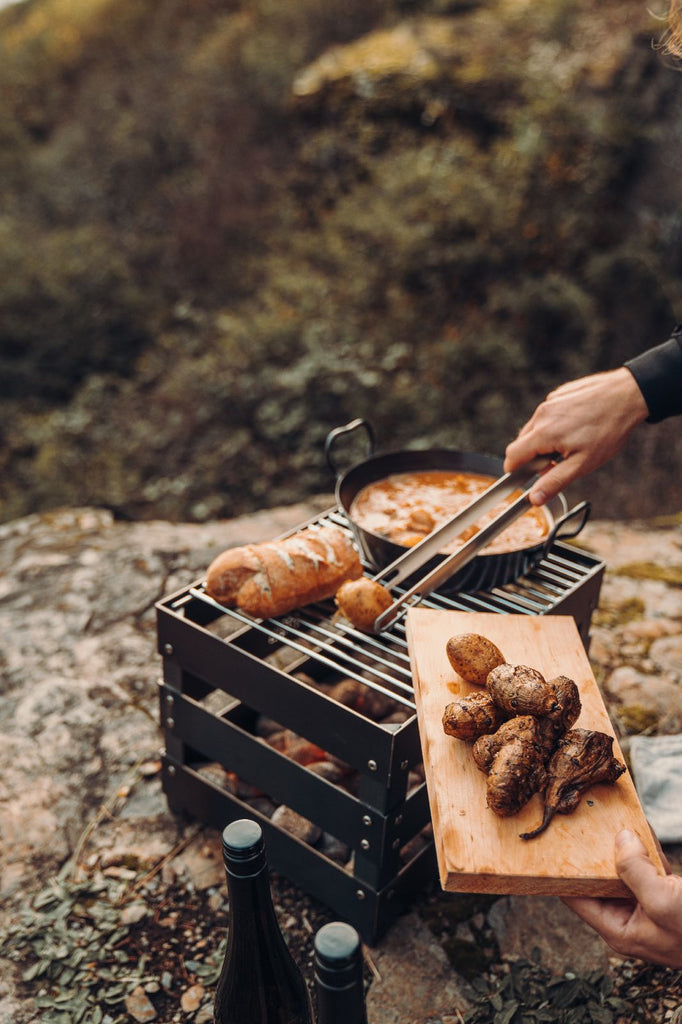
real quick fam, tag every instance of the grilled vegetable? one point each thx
(517, 772)
(472, 716)
(582, 759)
(473, 656)
(526, 728)
(568, 708)
(522, 728)
(362, 601)
(520, 690)
(514, 760)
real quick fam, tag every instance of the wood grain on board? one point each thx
(477, 850)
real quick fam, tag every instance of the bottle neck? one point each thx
(340, 1005)
(250, 904)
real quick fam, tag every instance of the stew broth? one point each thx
(405, 507)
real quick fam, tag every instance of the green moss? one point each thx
(672, 519)
(600, 673)
(611, 616)
(670, 574)
(636, 719)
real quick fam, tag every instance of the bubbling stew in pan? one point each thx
(405, 507)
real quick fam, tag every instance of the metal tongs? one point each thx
(414, 559)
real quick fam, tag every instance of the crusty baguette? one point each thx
(273, 578)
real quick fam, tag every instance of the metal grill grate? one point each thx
(382, 662)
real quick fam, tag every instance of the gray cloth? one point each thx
(657, 770)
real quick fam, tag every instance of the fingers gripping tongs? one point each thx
(414, 559)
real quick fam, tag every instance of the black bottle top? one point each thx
(338, 975)
(243, 848)
(337, 954)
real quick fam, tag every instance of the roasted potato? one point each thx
(473, 656)
(472, 716)
(520, 690)
(522, 735)
(531, 731)
(362, 601)
(516, 773)
(583, 758)
(568, 705)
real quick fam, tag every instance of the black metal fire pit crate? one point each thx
(222, 670)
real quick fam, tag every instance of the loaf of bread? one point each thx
(273, 578)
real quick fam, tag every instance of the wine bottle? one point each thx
(338, 975)
(260, 982)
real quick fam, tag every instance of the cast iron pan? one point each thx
(485, 571)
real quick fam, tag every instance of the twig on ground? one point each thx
(105, 810)
(178, 848)
(370, 963)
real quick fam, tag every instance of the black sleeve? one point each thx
(658, 372)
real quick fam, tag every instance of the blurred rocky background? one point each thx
(227, 227)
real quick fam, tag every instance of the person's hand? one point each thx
(587, 421)
(649, 926)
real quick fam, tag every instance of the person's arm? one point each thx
(649, 926)
(587, 421)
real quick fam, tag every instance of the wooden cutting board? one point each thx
(477, 850)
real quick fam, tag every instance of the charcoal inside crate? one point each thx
(370, 908)
(313, 714)
(301, 788)
(358, 858)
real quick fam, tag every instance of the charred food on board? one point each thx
(472, 716)
(522, 735)
(520, 690)
(517, 769)
(526, 729)
(582, 758)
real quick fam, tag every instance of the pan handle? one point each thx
(581, 511)
(346, 429)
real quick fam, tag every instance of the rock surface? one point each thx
(80, 788)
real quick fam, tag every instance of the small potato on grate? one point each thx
(362, 601)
